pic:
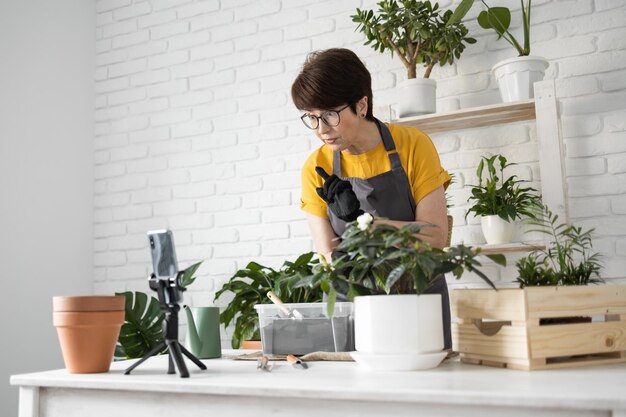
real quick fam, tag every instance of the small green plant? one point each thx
(416, 31)
(250, 285)
(384, 259)
(495, 195)
(567, 260)
(143, 319)
(499, 19)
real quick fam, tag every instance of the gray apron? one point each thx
(389, 195)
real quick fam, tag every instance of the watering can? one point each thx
(203, 331)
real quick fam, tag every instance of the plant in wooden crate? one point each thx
(515, 76)
(388, 272)
(249, 286)
(419, 34)
(567, 260)
(499, 201)
(142, 328)
(555, 319)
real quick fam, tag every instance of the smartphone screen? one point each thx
(163, 253)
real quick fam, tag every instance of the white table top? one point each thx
(597, 387)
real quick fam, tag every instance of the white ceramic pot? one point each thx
(398, 332)
(398, 323)
(497, 231)
(417, 96)
(516, 77)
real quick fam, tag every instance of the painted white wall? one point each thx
(46, 176)
(196, 131)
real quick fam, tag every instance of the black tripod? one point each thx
(169, 295)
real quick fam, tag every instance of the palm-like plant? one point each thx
(567, 260)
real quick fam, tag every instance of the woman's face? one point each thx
(342, 136)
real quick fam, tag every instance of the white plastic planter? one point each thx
(497, 231)
(516, 77)
(398, 332)
(417, 96)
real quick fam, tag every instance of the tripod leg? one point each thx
(170, 363)
(147, 356)
(192, 357)
(177, 355)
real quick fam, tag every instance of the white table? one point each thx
(232, 388)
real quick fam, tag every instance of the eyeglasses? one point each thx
(330, 118)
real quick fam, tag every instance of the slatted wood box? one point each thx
(509, 327)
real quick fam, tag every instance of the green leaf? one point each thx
(499, 19)
(460, 12)
(188, 276)
(395, 275)
(497, 258)
(141, 330)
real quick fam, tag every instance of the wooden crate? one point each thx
(507, 327)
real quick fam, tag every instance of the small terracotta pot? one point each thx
(251, 344)
(88, 328)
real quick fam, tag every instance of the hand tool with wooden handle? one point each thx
(297, 362)
(290, 313)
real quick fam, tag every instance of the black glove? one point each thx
(339, 195)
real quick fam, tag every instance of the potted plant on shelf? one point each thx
(249, 286)
(499, 201)
(554, 319)
(386, 271)
(419, 34)
(516, 76)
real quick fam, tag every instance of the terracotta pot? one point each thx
(252, 344)
(88, 328)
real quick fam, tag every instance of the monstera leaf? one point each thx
(141, 330)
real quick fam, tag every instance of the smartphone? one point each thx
(163, 253)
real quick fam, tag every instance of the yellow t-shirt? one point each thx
(418, 157)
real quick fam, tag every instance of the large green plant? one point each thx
(384, 259)
(567, 260)
(495, 195)
(416, 31)
(142, 328)
(249, 286)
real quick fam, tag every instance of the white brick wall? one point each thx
(195, 129)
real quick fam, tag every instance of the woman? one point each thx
(391, 172)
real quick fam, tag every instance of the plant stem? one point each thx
(526, 24)
(410, 69)
(507, 35)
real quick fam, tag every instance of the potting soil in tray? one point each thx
(284, 336)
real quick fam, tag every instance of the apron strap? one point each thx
(394, 160)
(389, 144)
(396, 165)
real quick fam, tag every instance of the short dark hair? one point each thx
(331, 78)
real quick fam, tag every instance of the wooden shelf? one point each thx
(473, 117)
(511, 247)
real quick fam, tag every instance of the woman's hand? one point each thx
(339, 196)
